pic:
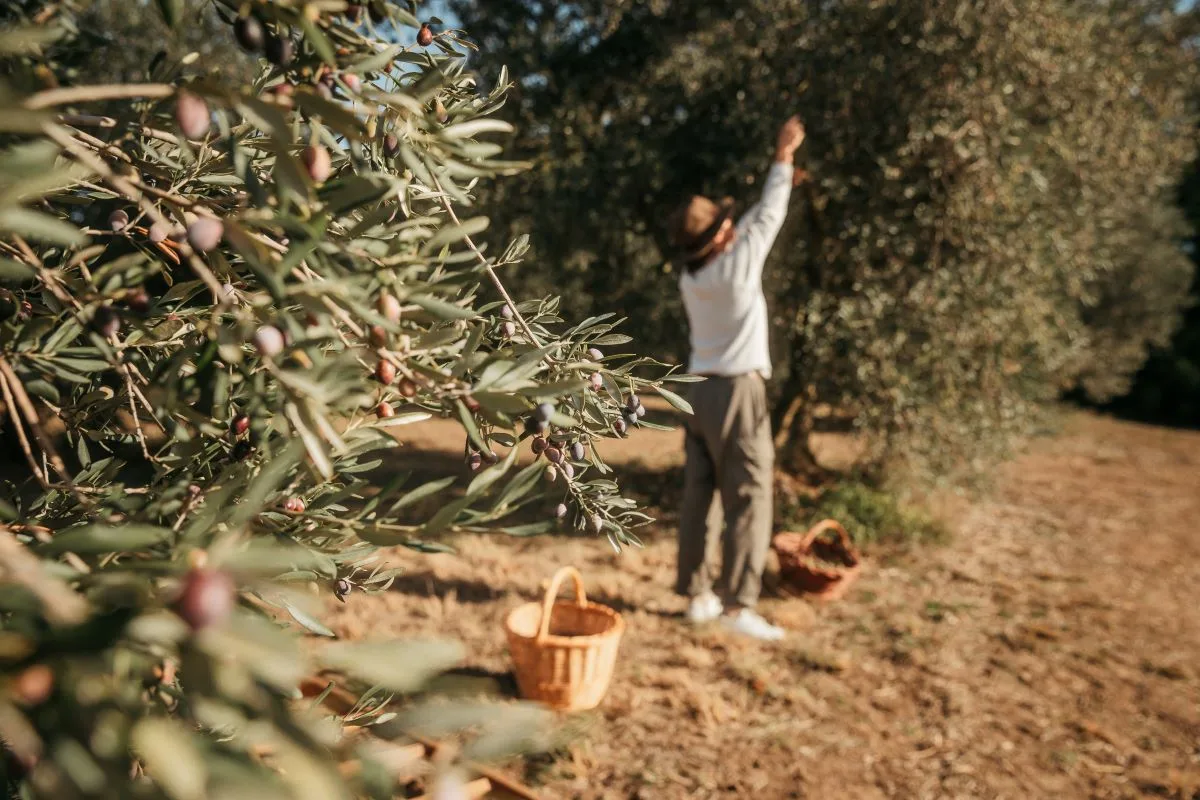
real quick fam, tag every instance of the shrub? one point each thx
(870, 515)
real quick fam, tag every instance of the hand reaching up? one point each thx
(791, 136)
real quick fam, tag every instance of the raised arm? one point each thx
(763, 221)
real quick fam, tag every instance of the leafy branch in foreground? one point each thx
(218, 301)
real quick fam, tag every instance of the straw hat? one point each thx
(694, 225)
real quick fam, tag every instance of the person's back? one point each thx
(726, 309)
(729, 445)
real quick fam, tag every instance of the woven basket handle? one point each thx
(821, 527)
(552, 595)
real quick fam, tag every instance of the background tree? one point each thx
(1167, 389)
(218, 299)
(990, 219)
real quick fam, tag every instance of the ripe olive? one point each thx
(385, 372)
(281, 50)
(239, 425)
(207, 598)
(192, 115)
(318, 163)
(268, 341)
(249, 33)
(105, 321)
(205, 234)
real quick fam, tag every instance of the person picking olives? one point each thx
(730, 452)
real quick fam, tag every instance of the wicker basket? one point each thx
(798, 571)
(564, 652)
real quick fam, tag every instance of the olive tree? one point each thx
(219, 298)
(989, 218)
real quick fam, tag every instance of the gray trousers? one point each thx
(730, 467)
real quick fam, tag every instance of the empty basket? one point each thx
(815, 562)
(564, 652)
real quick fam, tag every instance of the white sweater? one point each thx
(726, 308)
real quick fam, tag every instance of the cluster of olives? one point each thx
(385, 369)
(507, 328)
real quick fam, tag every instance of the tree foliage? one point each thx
(1167, 389)
(990, 218)
(219, 299)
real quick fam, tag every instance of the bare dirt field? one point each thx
(1051, 649)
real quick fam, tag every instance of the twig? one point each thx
(84, 94)
(31, 416)
(86, 119)
(474, 790)
(137, 423)
(487, 266)
(130, 191)
(11, 403)
(342, 701)
(21, 566)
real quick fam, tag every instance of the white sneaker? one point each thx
(704, 608)
(748, 623)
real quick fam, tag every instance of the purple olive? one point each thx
(597, 381)
(342, 588)
(281, 51)
(118, 220)
(241, 451)
(138, 301)
(538, 446)
(389, 307)
(239, 425)
(544, 411)
(561, 510)
(475, 461)
(619, 427)
(207, 598)
(594, 354)
(425, 36)
(249, 34)
(391, 145)
(640, 412)
(506, 311)
(509, 329)
(568, 471)
(268, 340)
(159, 231)
(205, 234)
(596, 523)
(106, 322)
(192, 115)
(578, 451)
(318, 163)
(554, 455)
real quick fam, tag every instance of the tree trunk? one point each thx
(793, 425)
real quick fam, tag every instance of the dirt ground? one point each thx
(1051, 649)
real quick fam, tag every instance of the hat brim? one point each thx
(702, 245)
